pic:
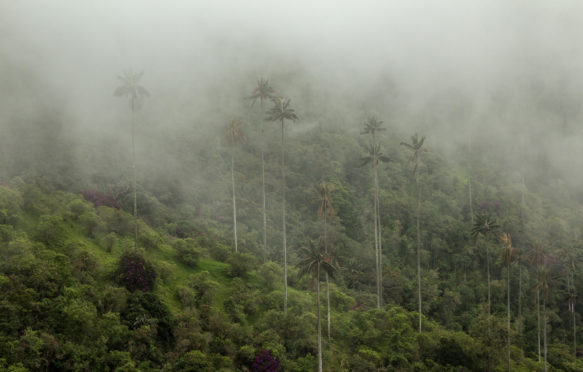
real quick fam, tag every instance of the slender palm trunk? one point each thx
(488, 269)
(263, 193)
(376, 251)
(538, 321)
(379, 232)
(134, 178)
(470, 199)
(519, 289)
(319, 319)
(545, 329)
(264, 210)
(327, 281)
(571, 286)
(283, 217)
(470, 180)
(418, 251)
(376, 226)
(508, 311)
(234, 198)
(574, 319)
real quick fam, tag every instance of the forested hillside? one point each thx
(325, 196)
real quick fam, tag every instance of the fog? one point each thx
(505, 76)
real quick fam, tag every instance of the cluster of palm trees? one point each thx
(487, 227)
(371, 126)
(316, 258)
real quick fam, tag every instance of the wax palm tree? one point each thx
(131, 89)
(233, 135)
(262, 92)
(572, 300)
(325, 210)
(415, 146)
(282, 111)
(572, 296)
(536, 257)
(375, 157)
(485, 225)
(568, 260)
(372, 125)
(542, 284)
(314, 261)
(508, 256)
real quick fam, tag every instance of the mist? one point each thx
(503, 76)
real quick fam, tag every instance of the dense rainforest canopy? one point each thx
(263, 214)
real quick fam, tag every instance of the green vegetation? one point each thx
(76, 294)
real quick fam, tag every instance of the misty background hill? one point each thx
(494, 87)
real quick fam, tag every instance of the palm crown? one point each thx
(315, 259)
(372, 125)
(325, 191)
(234, 132)
(508, 251)
(261, 92)
(281, 110)
(484, 224)
(374, 154)
(130, 87)
(414, 146)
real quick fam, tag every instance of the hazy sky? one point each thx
(458, 43)
(495, 64)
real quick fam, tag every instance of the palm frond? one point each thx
(484, 224)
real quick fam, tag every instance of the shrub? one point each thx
(271, 273)
(110, 241)
(100, 199)
(187, 251)
(116, 221)
(264, 361)
(50, 231)
(148, 238)
(91, 222)
(240, 263)
(218, 251)
(77, 207)
(135, 273)
(204, 286)
(194, 361)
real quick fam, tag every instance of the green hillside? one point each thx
(75, 295)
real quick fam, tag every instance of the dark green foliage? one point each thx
(484, 224)
(146, 310)
(187, 251)
(60, 310)
(110, 241)
(241, 264)
(135, 273)
(50, 231)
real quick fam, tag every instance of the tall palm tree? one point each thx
(508, 256)
(313, 262)
(485, 225)
(415, 146)
(234, 135)
(262, 92)
(536, 257)
(131, 89)
(371, 126)
(543, 282)
(281, 111)
(375, 156)
(569, 260)
(325, 210)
